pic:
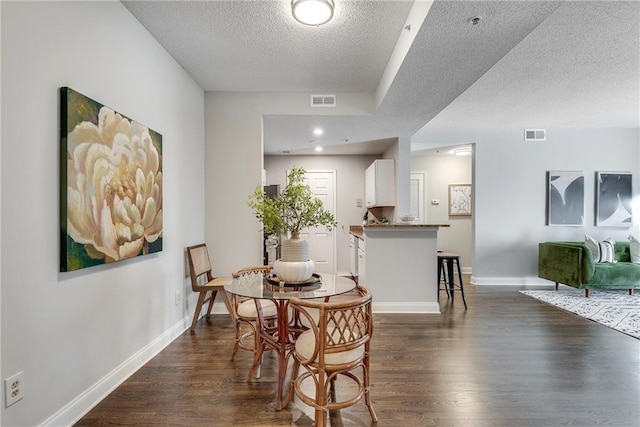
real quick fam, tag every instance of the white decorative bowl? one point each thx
(293, 271)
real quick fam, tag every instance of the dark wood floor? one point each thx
(509, 360)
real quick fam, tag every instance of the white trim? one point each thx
(509, 281)
(406, 307)
(78, 407)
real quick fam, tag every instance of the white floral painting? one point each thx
(460, 199)
(110, 185)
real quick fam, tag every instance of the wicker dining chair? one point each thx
(203, 282)
(245, 313)
(338, 346)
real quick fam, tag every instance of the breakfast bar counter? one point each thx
(400, 266)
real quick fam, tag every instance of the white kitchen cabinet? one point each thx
(361, 263)
(353, 255)
(380, 183)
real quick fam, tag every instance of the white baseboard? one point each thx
(509, 281)
(78, 407)
(406, 307)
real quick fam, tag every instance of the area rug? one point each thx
(615, 309)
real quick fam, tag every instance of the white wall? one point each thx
(350, 171)
(76, 335)
(234, 158)
(510, 198)
(440, 171)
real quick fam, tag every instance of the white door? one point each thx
(322, 242)
(416, 195)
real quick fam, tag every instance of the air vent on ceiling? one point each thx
(323, 100)
(535, 134)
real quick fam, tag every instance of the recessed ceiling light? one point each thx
(462, 151)
(317, 132)
(318, 148)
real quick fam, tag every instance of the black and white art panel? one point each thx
(565, 198)
(613, 199)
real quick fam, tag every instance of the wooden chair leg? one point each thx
(367, 386)
(586, 293)
(557, 286)
(201, 297)
(225, 299)
(321, 399)
(236, 341)
(256, 346)
(211, 300)
(631, 292)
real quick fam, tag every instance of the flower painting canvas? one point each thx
(110, 185)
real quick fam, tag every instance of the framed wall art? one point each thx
(110, 184)
(613, 199)
(459, 199)
(565, 198)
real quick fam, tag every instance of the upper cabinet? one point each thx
(380, 184)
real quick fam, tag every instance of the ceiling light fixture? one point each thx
(318, 148)
(317, 132)
(464, 151)
(312, 12)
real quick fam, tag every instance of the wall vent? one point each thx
(323, 100)
(535, 134)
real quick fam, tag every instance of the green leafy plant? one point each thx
(292, 210)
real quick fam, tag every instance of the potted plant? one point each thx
(295, 208)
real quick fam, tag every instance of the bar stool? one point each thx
(446, 274)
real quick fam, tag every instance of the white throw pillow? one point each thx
(607, 250)
(634, 249)
(594, 246)
(603, 251)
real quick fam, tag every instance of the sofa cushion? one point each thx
(593, 245)
(603, 251)
(621, 275)
(634, 249)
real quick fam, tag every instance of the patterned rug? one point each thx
(615, 309)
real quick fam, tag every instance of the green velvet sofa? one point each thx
(571, 263)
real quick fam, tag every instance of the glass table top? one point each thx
(256, 286)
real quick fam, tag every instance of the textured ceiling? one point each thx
(579, 68)
(526, 63)
(257, 46)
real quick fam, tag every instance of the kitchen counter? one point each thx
(399, 266)
(358, 230)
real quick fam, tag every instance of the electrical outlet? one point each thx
(177, 297)
(13, 389)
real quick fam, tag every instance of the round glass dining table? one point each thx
(281, 336)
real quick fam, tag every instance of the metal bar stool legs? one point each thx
(447, 273)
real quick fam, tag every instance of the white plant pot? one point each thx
(293, 271)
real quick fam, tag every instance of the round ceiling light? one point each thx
(463, 151)
(312, 12)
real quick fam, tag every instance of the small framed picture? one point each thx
(459, 199)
